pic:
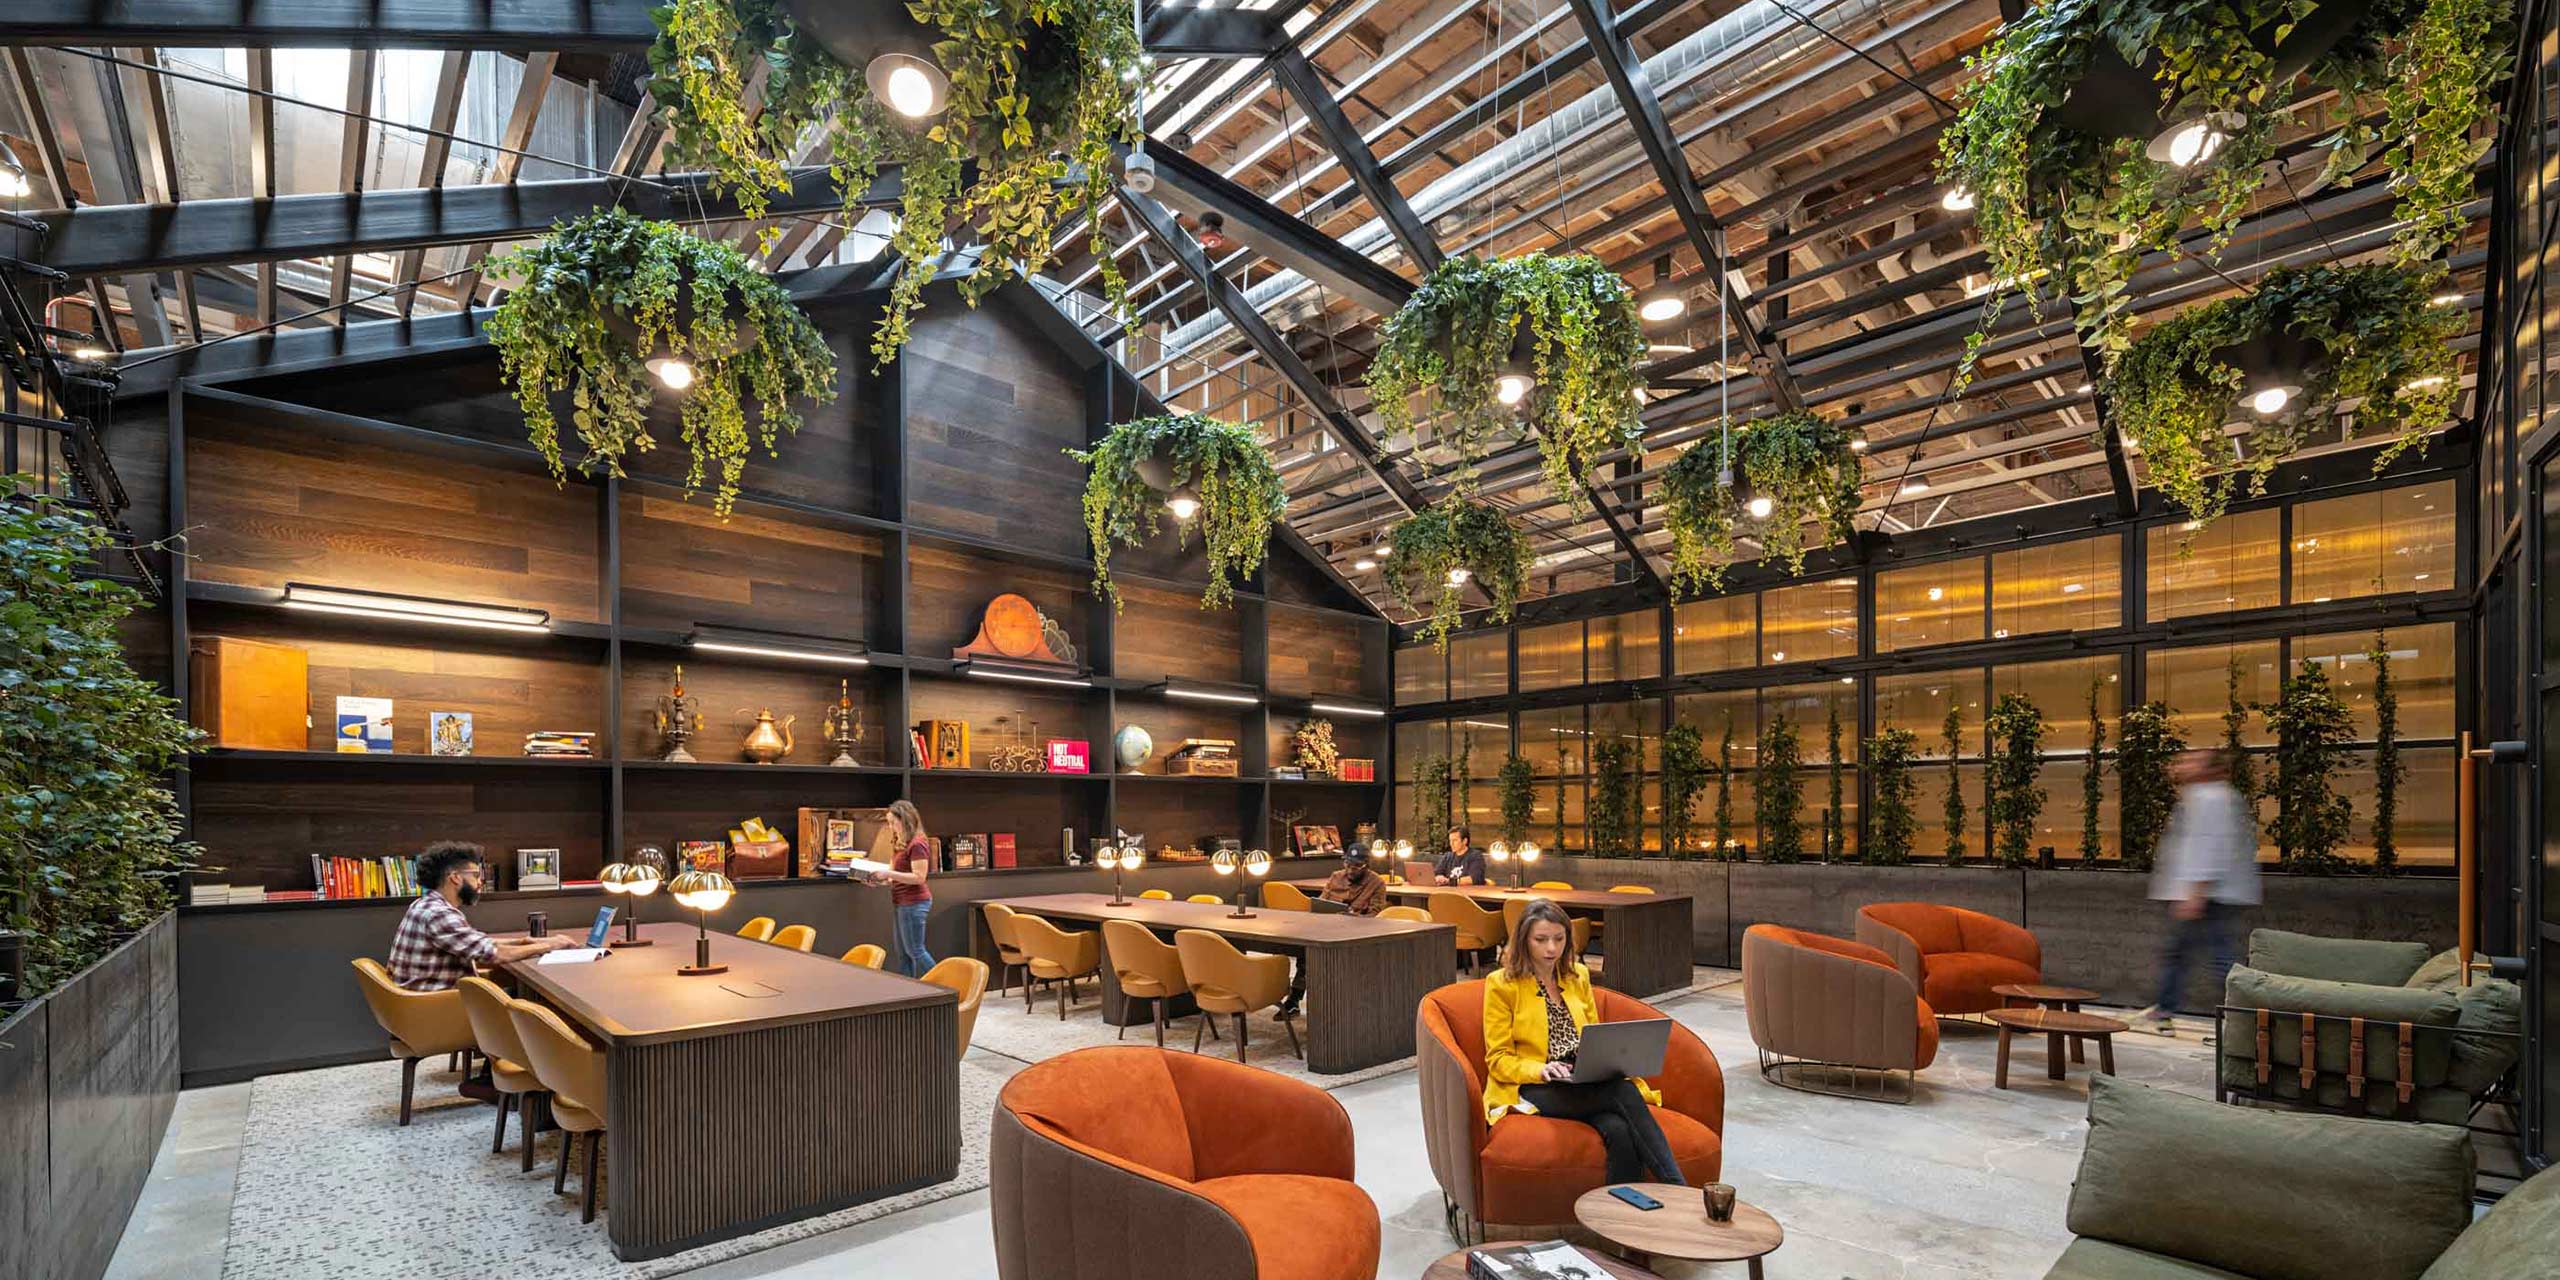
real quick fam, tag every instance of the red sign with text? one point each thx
(1070, 755)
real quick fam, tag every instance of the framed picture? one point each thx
(1316, 838)
(537, 868)
(842, 840)
(703, 855)
(449, 733)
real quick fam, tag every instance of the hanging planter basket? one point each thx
(604, 297)
(1221, 467)
(1566, 324)
(1803, 466)
(1449, 546)
(2327, 337)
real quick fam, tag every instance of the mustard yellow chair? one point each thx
(1147, 967)
(1630, 888)
(421, 1024)
(1514, 908)
(1053, 955)
(1009, 955)
(495, 1030)
(1210, 898)
(869, 955)
(1225, 980)
(1280, 896)
(759, 929)
(1414, 914)
(1552, 884)
(798, 937)
(967, 978)
(1157, 895)
(573, 1070)
(1479, 930)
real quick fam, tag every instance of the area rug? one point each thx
(330, 1184)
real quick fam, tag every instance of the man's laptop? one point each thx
(1418, 872)
(1613, 1049)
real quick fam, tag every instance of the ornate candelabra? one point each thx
(844, 726)
(678, 716)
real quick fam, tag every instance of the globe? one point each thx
(1132, 746)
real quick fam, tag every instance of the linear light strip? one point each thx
(387, 604)
(1205, 695)
(1346, 709)
(395, 615)
(788, 655)
(1028, 678)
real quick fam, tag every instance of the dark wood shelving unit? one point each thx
(926, 489)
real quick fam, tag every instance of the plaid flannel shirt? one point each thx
(436, 947)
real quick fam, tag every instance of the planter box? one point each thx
(88, 1078)
(1704, 882)
(1825, 899)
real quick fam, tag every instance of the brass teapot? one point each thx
(768, 741)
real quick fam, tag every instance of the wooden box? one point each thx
(1201, 766)
(836, 836)
(250, 695)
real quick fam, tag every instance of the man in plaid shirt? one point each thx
(436, 946)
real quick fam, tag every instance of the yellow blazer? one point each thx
(1515, 1036)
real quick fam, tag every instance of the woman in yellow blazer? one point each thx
(1535, 1007)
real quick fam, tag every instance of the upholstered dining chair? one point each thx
(1823, 1008)
(1279, 895)
(759, 929)
(1056, 956)
(1158, 895)
(1226, 980)
(1514, 908)
(573, 1070)
(1631, 888)
(968, 978)
(1204, 1169)
(421, 1024)
(1147, 967)
(870, 955)
(1479, 930)
(798, 937)
(495, 1028)
(1009, 955)
(1552, 884)
(1209, 898)
(1414, 914)
(1954, 956)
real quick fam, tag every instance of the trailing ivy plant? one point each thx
(2312, 728)
(1454, 336)
(2065, 214)
(1517, 786)
(1895, 826)
(1951, 736)
(1804, 464)
(1041, 91)
(1684, 777)
(1778, 794)
(89, 836)
(2092, 788)
(1460, 535)
(601, 295)
(2235, 736)
(1220, 464)
(2375, 339)
(2147, 744)
(2388, 771)
(1835, 842)
(2011, 800)
(1724, 850)
(1613, 799)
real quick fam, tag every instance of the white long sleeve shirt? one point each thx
(2211, 841)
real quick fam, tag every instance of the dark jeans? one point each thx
(1627, 1129)
(2211, 932)
(912, 959)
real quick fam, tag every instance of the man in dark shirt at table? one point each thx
(1361, 892)
(436, 947)
(1461, 864)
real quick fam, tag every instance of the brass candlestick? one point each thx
(678, 716)
(843, 726)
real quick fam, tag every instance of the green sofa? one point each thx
(2461, 1039)
(2173, 1187)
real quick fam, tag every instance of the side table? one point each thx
(1680, 1228)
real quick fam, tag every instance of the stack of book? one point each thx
(215, 895)
(1203, 757)
(560, 743)
(389, 876)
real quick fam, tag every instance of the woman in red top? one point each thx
(910, 899)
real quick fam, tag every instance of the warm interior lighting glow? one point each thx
(909, 85)
(1182, 504)
(1512, 388)
(92, 352)
(2189, 143)
(675, 371)
(2421, 384)
(2073, 588)
(1211, 695)
(1458, 576)
(1760, 507)
(1937, 593)
(1348, 709)
(787, 655)
(1914, 487)
(1363, 565)
(1858, 445)
(1956, 200)
(2444, 299)
(450, 613)
(1662, 308)
(704, 891)
(2270, 400)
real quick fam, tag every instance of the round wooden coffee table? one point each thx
(2048, 996)
(1454, 1267)
(1679, 1229)
(2057, 1026)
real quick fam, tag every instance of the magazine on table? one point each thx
(1548, 1260)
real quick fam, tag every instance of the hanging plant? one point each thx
(2312, 728)
(1566, 316)
(1802, 466)
(1040, 91)
(1952, 733)
(603, 296)
(2092, 789)
(2064, 209)
(1443, 547)
(2010, 797)
(2147, 743)
(1220, 467)
(1613, 799)
(1777, 795)
(1724, 848)
(2388, 771)
(1684, 778)
(1517, 783)
(2333, 335)
(1896, 825)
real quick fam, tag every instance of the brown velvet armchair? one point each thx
(1138, 1163)
(1954, 956)
(1819, 1004)
(1527, 1170)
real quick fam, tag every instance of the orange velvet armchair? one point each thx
(1954, 956)
(1137, 1163)
(1527, 1170)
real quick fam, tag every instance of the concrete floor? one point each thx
(1967, 1181)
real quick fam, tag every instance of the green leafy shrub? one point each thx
(2092, 785)
(2010, 798)
(1613, 799)
(1895, 825)
(1222, 464)
(1516, 784)
(2312, 727)
(2147, 744)
(1684, 778)
(1951, 732)
(1778, 794)
(1724, 849)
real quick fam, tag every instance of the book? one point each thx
(1546, 1260)
(1000, 849)
(449, 733)
(364, 725)
(702, 855)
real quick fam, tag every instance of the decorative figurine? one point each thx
(844, 726)
(678, 717)
(769, 740)
(1315, 748)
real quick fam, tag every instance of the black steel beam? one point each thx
(1315, 97)
(1192, 31)
(1191, 186)
(2119, 469)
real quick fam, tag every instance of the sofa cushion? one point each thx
(1302, 1228)
(1961, 981)
(2303, 955)
(2479, 1062)
(1933, 927)
(2519, 1234)
(2333, 1004)
(1533, 1167)
(2275, 1195)
(2441, 972)
(2089, 1259)
(1114, 1099)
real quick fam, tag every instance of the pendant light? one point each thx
(894, 50)
(1661, 303)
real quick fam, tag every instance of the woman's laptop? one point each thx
(1613, 1049)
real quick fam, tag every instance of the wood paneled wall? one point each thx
(682, 564)
(1166, 633)
(991, 411)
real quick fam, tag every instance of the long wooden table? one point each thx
(791, 1085)
(1645, 946)
(1365, 976)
